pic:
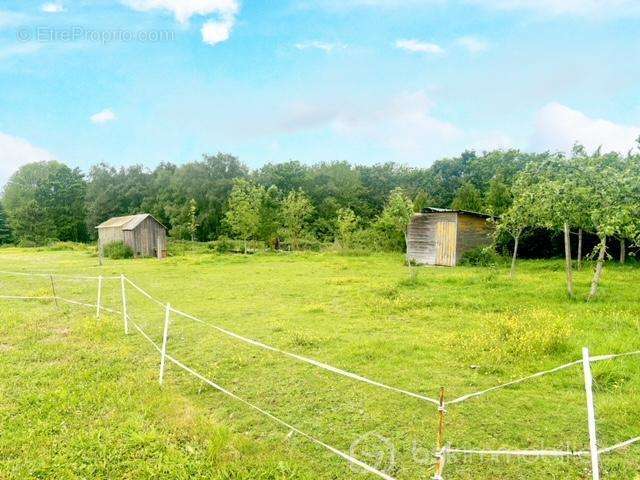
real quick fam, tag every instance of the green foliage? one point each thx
(45, 201)
(499, 197)
(397, 213)
(245, 205)
(117, 251)
(296, 209)
(5, 230)
(347, 224)
(481, 257)
(468, 198)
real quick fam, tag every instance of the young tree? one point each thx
(193, 222)
(468, 198)
(347, 224)
(5, 230)
(611, 183)
(243, 215)
(296, 209)
(397, 213)
(513, 222)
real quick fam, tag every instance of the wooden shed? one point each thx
(439, 236)
(146, 236)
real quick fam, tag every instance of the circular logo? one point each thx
(23, 35)
(374, 450)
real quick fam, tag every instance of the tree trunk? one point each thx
(245, 246)
(580, 249)
(567, 259)
(597, 276)
(623, 251)
(515, 256)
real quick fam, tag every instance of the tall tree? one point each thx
(243, 215)
(296, 210)
(45, 201)
(468, 198)
(397, 213)
(5, 230)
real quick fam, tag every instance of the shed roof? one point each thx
(448, 210)
(128, 222)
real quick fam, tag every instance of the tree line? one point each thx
(293, 205)
(51, 201)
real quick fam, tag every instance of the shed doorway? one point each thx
(446, 244)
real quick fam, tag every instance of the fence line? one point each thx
(162, 351)
(586, 361)
(61, 275)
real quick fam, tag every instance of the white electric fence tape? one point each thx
(201, 377)
(519, 453)
(310, 361)
(60, 275)
(355, 461)
(514, 382)
(17, 297)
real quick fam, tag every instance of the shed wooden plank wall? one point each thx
(109, 235)
(472, 232)
(421, 236)
(143, 240)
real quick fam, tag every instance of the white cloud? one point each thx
(472, 44)
(418, 46)
(52, 7)
(15, 152)
(213, 31)
(324, 46)
(403, 125)
(558, 127)
(216, 31)
(185, 9)
(106, 115)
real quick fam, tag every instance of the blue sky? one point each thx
(367, 81)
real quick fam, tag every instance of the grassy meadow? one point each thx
(80, 400)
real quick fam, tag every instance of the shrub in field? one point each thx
(480, 257)
(117, 251)
(69, 247)
(224, 244)
(519, 336)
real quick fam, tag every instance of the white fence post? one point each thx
(591, 413)
(125, 318)
(165, 336)
(98, 306)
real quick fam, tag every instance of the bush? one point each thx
(480, 257)
(117, 251)
(223, 244)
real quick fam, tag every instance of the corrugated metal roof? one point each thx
(128, 222)
(448, 210)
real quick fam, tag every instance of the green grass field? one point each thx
(80, 400)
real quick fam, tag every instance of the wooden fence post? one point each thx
(591, 414)
(53, 289)
(165, 336)
(99, 301)
(125, 317)
(440, 440)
